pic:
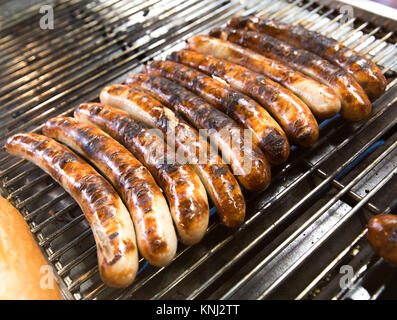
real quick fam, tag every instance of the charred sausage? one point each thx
(105, 212)
(182, 186)
(265, 130)
(148, 208)
(247, 161)
(321, 99)
(382, 235)
(366, 72)
(355, 102)
(219, 182)
(291, 113)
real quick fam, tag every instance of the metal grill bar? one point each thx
(10, 35)
(66, 268)
(308, 16)
(39, 42)
(75, 63)
(93, 31)
(332, 265)
(68, 61)
(56, 216)
(358, 277)
(335, 183)
(340, 222)
(99, 75)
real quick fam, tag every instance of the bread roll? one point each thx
(24, 273)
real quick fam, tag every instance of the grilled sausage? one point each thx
(219, 182)
(148, 208)
(382, 235)
(265, 130)
(291, 113)
(247, 161)
(181, 185)
(321, 99)
(366, 72)
(106, 214)
(355, 103)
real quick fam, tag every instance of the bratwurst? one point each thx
(105, 212)
(321, 99)
(290, 112)
(355, 102)
(219, 182)
(181, 185)
(247, 161)
(148, 208)
(265, 130)
(366, 72)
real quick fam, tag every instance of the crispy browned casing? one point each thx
(382, 235)
(355, 102)
(219, 182)
(148, 208)
(247, 112)
(290, 112)
(366, 72)
(185, 193)
(105, 212)
(247, 161)
(321, 99)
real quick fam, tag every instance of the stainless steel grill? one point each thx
(298, 234)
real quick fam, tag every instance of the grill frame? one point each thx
(128, 60)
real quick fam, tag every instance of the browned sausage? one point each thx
(265, 130)
(247, 161)
(291, 113)
(184, 191)
(355, 102)
(321, 99)
(219, 182)
(148, 208)
(106, 214)
(382, 235)
(366, 72)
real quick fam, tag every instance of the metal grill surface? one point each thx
(297, 235)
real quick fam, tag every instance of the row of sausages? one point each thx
(234, 79)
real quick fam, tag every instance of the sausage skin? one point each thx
(366, 72)
(181, 185)
(321, 99)
(219, 182)
(290, 112)
(355, 102)
(148, 209)
(382, 235)
(105, 212)
(247, 161)
(265, 130)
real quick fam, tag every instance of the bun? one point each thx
(24, 273)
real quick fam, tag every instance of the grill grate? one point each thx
(297, 234)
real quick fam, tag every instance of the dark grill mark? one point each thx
(392, 235)
(116, 258)
(218, 171)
